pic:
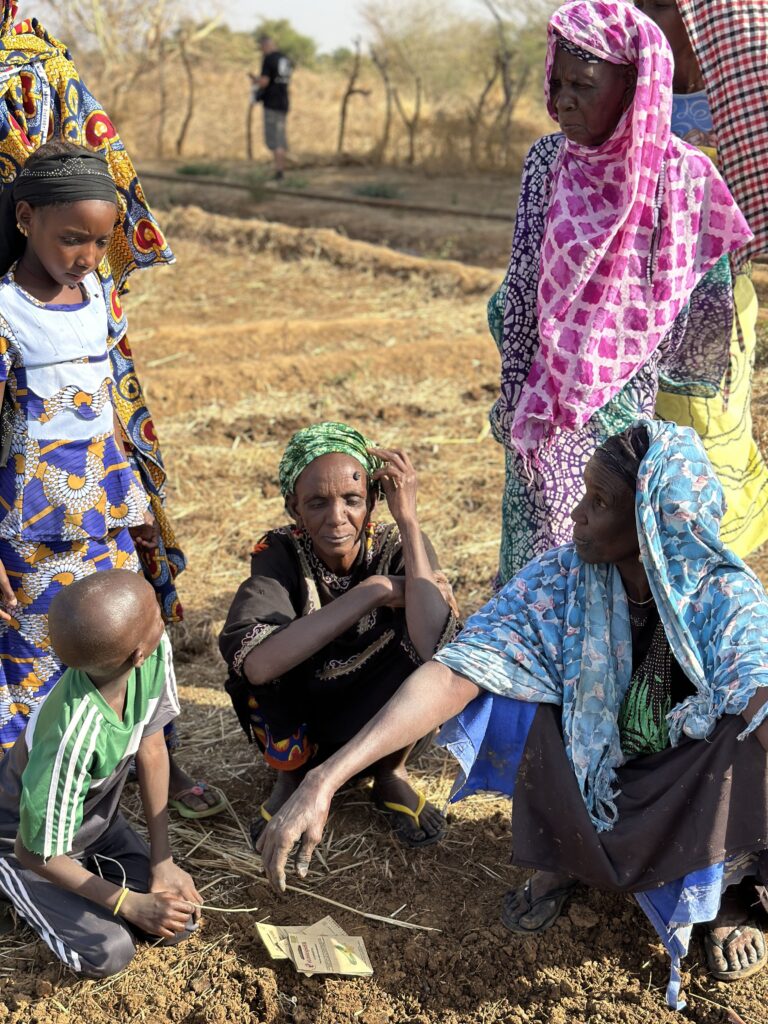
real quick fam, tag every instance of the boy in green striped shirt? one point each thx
(69, 862)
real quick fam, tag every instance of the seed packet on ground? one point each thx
(273, 938)
(321, 948)
(329, 954)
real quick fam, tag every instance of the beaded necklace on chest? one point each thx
(639, 618)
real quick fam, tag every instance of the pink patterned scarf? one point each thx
(633, 225)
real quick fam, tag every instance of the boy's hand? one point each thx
(157, 913)
(170, 879)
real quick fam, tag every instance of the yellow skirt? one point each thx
(724, 424)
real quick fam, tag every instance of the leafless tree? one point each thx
(352, 89)
(476, 111)
(188, 36)
(124, 36)
(379, 150)
(514, 67)
(411, 123)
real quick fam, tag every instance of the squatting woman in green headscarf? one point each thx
(337, 612)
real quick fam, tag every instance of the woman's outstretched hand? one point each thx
(7, 597)
(300, 820)
(399, 483)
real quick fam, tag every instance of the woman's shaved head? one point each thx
(104, 621)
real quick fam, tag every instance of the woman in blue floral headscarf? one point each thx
(586, 687)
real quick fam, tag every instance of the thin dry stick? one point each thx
(225, 910)
(323, 899)
(722, 1006)
(232, 811)
(354, 910)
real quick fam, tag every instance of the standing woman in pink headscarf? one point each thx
(618, 222)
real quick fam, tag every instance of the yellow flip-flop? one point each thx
(404, 819)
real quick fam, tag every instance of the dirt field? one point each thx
(256, 331)
(442, 237)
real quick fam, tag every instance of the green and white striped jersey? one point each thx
(78, 752)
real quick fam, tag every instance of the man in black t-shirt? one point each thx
(271, 89)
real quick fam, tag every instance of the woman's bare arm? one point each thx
(426, 609)
(429, 697)
(303, 637)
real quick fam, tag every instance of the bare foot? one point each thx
(745, 949)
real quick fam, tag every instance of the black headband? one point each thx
(65, 179)
(576, 51)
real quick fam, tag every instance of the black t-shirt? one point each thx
(277, 68)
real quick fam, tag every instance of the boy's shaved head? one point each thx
(97, 623)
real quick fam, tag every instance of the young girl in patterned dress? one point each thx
(70, 503)
(68, 497)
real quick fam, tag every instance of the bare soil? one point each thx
(257, 330)
(433, 236)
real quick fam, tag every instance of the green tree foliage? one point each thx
(300, 48)
(339, 60)
(228, 44)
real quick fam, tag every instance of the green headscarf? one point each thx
(310, 443)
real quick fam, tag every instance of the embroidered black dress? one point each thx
(319, 705)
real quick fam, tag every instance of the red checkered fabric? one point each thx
(730, 38)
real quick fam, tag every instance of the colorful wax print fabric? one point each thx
(42, 95)
(538, 499)
(632, 226)
(731, 45)
(691, 112)
(38, 570)
(67, 493)
(724, 423)
(66, 478)
(723, 420)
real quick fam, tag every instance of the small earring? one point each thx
(21, 230)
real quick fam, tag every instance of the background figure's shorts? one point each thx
(274, 129)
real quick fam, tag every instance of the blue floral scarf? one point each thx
(559, 631)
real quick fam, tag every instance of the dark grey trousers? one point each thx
(82, 934)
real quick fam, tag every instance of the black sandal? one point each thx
(518, 904)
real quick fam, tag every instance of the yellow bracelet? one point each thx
(119, 903)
